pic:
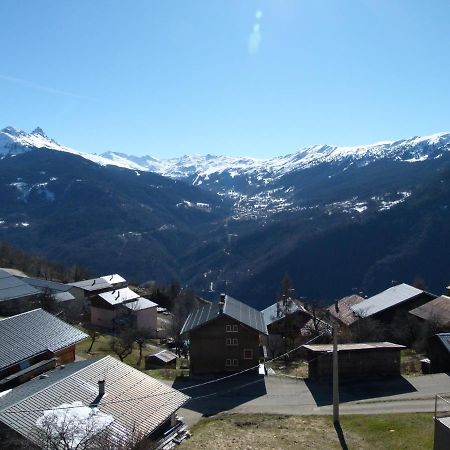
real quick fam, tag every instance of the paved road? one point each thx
(282, 395)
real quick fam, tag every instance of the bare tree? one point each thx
(93, 334)
(84, 428)
(122, 345)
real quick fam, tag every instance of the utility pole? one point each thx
(335, 376)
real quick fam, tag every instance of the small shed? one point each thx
(439, 352)
(356, 361)
(163, 359)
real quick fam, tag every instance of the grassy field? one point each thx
(101, 348)
(264, 432)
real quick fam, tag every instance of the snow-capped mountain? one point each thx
(263, 188)
(360, 216)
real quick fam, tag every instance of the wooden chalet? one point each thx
(224, 336)
(356, 361)
(33, 342)
(112, 405)
(398, 299)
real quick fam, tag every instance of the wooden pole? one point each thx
(335, 377)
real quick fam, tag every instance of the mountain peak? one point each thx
(38, 131)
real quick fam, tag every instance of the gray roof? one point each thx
(232, 308)
(140, 303)
(274, 313)
(12, 287)
(59, 290)
(132, 398)
(328, 348)
(34, 332)
(164, 355)
(444, 338)
(92, 285)
(437, 311)
(387, 299)
(118, 296)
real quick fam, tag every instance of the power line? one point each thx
(165, 393)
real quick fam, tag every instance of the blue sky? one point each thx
(238, 77)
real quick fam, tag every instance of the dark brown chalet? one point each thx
(224, 336)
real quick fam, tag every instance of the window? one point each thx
(248, 353)
(231, 362)
(231, 341)
(231, 328)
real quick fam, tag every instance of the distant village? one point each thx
(89, 362)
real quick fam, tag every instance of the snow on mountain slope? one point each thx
(263, 187)
(13, 141)
(203, 166)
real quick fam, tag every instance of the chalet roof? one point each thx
(437, 310)
(92, 285)
(34, 332)
(232, 308)
(393, 296)
(139, 304)
(12, 287)
(118, 296)
(132, 399)
(346, 315)
(444, 339)
(277, 311)
(328, 348)
(164, 355)
(114, 279)
(59, 290)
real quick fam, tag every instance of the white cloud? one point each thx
(255, 37)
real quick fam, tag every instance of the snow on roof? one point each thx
(84, 422)
(139, 304)
(137, 402)
(114, 279)
(118, 296)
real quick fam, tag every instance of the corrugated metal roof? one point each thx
(437, 310)
(140, 303)
(135, 400)
(33, 332)
(59, 290)
(274, 312)
(386, 299)
(12, 287)
(114, 279)
(353, 347)
(232, 308)
(118, 296)
(164, 355)
(444, 338)
(92, 285)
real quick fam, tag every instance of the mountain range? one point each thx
(337, 219)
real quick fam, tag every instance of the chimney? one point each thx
(221, 303)
(336, 307)
(101, 388)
